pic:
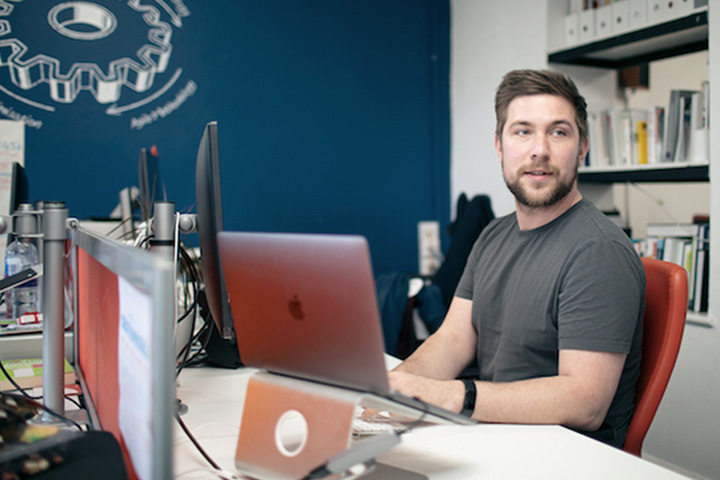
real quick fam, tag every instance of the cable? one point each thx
(21, 391)
(196, 443)
(189, 267)
(37, 405)
(223, 474)
(658, 201)
(418, 421)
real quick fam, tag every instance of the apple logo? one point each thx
(295, 308)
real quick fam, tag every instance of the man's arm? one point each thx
(579, 396)
(449, 350)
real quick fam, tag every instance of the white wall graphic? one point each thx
(125, 84)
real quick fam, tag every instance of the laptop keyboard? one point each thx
(381, 422)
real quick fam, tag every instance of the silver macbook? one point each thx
(305, 306)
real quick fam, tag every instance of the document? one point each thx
(135, 375)
(12, 150)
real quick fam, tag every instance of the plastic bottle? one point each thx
(20, 254)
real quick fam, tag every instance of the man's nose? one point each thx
(541, 147)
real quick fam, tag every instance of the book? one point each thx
(655, 134)
(686, 245)
(677, 125)
(624, 137)
(597, 140)
(698, 150)
(702, 270)
(641, 142)
(27, 373)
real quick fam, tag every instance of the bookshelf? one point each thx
(677, 36)
(655, 36)
(647, 173)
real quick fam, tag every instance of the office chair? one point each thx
(666, 301)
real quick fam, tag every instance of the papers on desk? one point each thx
(135, 375)
(12, 151)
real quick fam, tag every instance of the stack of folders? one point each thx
(687, 245)
(676, 133)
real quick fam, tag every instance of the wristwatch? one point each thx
(470, 397)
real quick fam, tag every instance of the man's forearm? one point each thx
(579, 396)
(449, 350)
(435, 358)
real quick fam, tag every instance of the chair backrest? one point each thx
(666, 301)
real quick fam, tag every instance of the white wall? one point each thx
(490, 38)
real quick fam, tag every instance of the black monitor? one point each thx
(209, 222)
(19, 192)
(150, 184)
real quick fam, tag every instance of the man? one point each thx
(552, 297)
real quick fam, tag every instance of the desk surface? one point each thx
(214, 398)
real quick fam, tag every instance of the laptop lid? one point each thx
(305, 305)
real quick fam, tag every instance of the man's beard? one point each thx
(559, 191)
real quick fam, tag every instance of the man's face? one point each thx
(540, 149)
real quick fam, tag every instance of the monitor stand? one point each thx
(388, 472)
(220, 352)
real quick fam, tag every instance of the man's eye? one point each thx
(559, 133)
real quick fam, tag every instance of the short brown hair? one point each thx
(519, 83)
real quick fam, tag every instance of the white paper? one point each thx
(135, 375)
(12, 149)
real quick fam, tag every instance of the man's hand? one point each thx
(448, 394)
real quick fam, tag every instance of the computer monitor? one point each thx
(124, 350)
(209, 222)
(150, 183)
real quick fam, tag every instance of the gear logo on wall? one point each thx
(84, 22)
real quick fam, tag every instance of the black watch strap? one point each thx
(470, 397)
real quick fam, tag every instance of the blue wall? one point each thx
(333, 114)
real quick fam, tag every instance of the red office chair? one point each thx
(666, 301)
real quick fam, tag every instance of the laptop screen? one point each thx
(304, 305)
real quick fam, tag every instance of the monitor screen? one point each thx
(150, 183)
(124, 351)
(209, 222)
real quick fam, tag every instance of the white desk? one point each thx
(215, 401)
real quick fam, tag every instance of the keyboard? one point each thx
(381, 422)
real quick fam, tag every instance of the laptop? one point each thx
(305, 306)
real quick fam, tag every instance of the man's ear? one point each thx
(583, 151)
(498, 146)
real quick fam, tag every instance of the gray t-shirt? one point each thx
(574, 283)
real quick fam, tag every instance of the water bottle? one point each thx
(20, 255)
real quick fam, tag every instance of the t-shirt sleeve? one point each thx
(465, 285)
(601, 298)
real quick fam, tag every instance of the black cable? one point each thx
(193, 280)
(196, 443)
(200, 355)
(12, 380)
(34, 400)
(145, 240)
